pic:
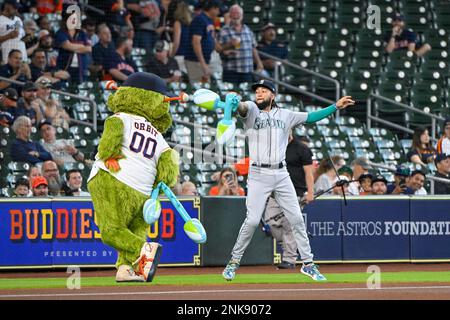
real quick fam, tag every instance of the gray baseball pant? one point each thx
(261, 183)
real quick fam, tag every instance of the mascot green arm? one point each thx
(167, 168)
(110, 146)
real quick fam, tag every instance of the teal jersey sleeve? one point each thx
(320, 114)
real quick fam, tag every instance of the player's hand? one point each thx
(113, 164)
(309, 198)
(344, 102)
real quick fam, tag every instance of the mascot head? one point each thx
(144, 94)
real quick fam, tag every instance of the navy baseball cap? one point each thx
(264, 83)
(378, 178)
(15, 3)
(29, 86)
(440, 157)
(148, 81)
(398, 17)
(11, 93)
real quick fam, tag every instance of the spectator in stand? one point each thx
(22, 148)
(188, 189)
(74, 48)
(46, 43)
(379, 185)
(33, 172)
(40, 187)
(180, 36)
(15, 69)
(422, 152)
(443, 145)
(346, 171)
(365, 184)
(165, 26)
(89, 27)
(103, 50)
(28, 104)
(338, 190)
(237, 46)
(227, 184)
(400, 176)
(145, 17)
(401, 38)
(62, 150)
(442, 162)
(326, 175)
(120, 66)
(415, 183)
(53, 111)
(31, 39)
(118, 19)
(27, 6)
(50, 172)
(202, 35)
(45, 7)
(74, 182)
(44, 23)
(359, 166)
(270, 45)
(11, 31)
(162, 65)
(22, 188)
(39, 68)
(8, 104)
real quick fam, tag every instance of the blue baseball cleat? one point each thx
(312, 270)
(230, 270)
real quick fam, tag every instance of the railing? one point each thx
(432, 179)
(91, 102)
(371, 117)
(314, 73)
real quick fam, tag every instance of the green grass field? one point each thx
(216, 279)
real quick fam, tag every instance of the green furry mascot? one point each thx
(132, 158)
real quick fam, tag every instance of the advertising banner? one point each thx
(322, 219)
(429, 228)
(62, 231)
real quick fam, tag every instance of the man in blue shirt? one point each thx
(22, 148)
(119, 65)
(198, 53)
(270, 45)
(8, 103)
(15, 69)
(104, 49)
(401, 38)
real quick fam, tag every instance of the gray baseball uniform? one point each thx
(268, 134)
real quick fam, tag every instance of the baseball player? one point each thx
(267, 127)
(11, 30)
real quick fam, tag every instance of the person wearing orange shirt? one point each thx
(227, 184)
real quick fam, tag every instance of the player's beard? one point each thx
(264, 104)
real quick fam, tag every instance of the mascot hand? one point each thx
(113, 164)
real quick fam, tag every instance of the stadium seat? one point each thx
(350, 15)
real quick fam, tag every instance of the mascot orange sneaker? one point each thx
(126, 274)
(148, 260)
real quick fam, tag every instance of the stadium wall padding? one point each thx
(59, 232)
(222, 217)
